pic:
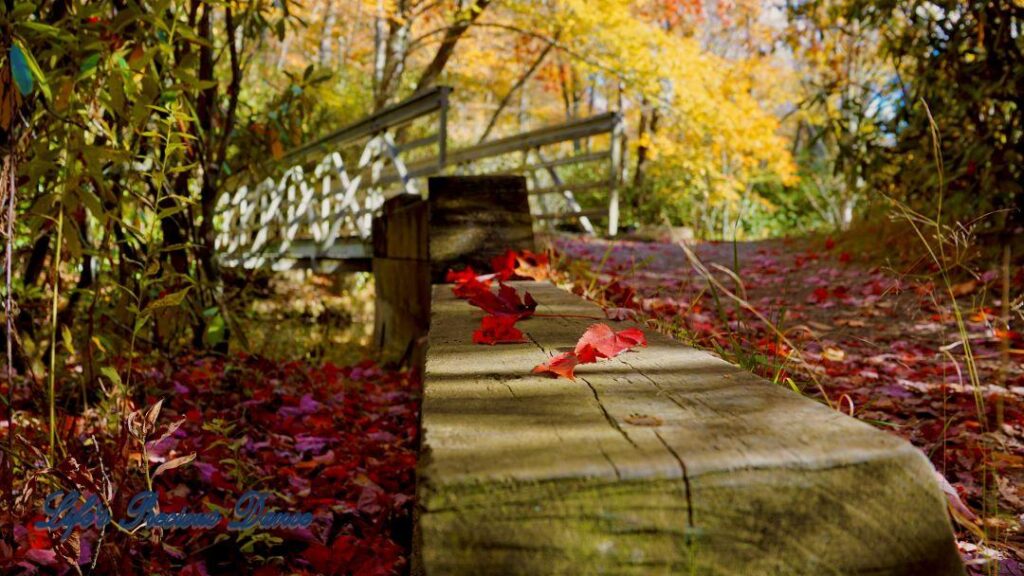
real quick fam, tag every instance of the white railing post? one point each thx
(615, 177)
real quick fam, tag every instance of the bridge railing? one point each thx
(330, 190)
(320, 207)
(543, 156)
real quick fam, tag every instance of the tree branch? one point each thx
(515, 87)
(451, 37)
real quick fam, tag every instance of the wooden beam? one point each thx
(662, 461)
(475, 218)
(401, 272)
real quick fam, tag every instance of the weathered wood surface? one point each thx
(401, 271)
(475, 218)
(525, 474)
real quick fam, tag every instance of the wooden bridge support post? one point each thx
(401, 273)
(475, 218)
(468, 220)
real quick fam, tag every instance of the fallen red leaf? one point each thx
(464, 275)
(561, 365)
(505, 303)
(819, 295)
(600, 341)
(467, 283)
(532, 265)
(470, 288)
(619, 314)
(498, 330)
(524, 264)
(504, 266)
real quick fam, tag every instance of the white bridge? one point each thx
(317, 212)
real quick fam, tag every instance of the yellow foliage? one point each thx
(718, 129)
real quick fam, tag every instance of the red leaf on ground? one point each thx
(498, 330)
(619, 314)
(505, 303)
(819, 295)
(600, 341)
(38, 538)
(470, 288)
(504, 266)
(319, 556)
(829, 243)
(467, 283)
(621, 295)
(524, 264)
(561, 365)
(460, 276)
(532, 265)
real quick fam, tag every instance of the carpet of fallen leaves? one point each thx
(883, 347)
(339, 442)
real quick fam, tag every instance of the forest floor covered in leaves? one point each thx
(877, 343)
(337, 442)
(300, 417)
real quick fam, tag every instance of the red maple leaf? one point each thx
(467, 283)
(532, 265)
(319, 556)
(38, 538)
(498, 330)
(504, 266)
(600, 341)
(460, 276)
(524, 264)
(505, 303)
(561, 365)
(621, 295)
(470, 288)
(819, 295)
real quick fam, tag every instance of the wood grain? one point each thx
(525, 474)
(475, 218)
(401, 271)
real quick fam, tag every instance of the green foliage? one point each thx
(904, 61)
(130, 120)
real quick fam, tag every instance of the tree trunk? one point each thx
(648, 127)
(447, 48)
(175, 226)
(327, 35)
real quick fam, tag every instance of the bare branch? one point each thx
(515, 87)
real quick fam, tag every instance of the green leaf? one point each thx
(89, 63)
(169, 301)
(65, 335)
(20, 71)
(33, 67)
(112, 375)
(41, 28)
(215, 332)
